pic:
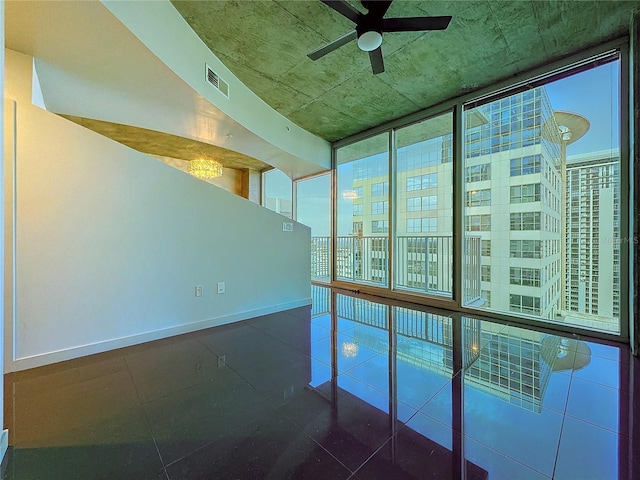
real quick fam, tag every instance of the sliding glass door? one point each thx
(362, 243)
(424, 208)
(313, 208)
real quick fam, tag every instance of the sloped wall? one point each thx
(109, 243)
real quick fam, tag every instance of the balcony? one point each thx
(424, 263)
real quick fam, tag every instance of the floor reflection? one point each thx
(512, 402)
(350, 389)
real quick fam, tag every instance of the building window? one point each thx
(378, 244)
(485, 295)
(477, 223)
(415, 245)
(378, 208)
(525, 248)
(525, 276)
(525, 221)
(357, 228)
(485, 248)
(415, 266)
(421, 182)
(378, 264)
(429, 224)
(380, 226)
(359, 192)
(477, 198)
(524, 304)
(357, 209)
(485, 273)
(433, 269)
(478, 173)
(430, 202)
(433, 246)
(378, 189)
(525, 193)
(525, 165)
(414, 204)
(413, 225)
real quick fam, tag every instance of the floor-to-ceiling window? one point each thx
(313, 208)
(424, 208)
(362, 212)
(276, 192)
(512, 203)
(542, 190)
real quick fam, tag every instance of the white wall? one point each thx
(175, 38)
(110, 243)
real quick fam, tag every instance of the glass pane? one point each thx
(276, 192)
(363, 211)
(313, 208)
(542, 193)
(424, 188)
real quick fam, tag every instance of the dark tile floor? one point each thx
(321, 395)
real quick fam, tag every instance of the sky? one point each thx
(593, 94)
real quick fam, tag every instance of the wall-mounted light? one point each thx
(205, 168)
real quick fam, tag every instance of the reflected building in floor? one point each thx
(506, 362)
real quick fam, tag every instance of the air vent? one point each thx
(216, 82)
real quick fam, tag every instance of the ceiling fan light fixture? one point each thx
(370, 40)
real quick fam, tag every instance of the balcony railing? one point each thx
(320, 258)
(362, 259)
(424, 263)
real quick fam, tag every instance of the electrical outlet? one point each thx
(199, 290)
(222, 361)
(221, 287)
(287, 227)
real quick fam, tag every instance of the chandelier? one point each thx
(349, 194)
(205, 168)
(349, 349)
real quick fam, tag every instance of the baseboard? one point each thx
(112, 344)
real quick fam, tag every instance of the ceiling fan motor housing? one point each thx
(369, 32)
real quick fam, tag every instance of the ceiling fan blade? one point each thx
(343, 8)
(377, 64)
(377, 7)
(415, 24)
(331, 46)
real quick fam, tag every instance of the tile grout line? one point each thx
(564, 416)
(146, 418)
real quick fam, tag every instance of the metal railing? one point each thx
(320, 258)
(424, 263)
(363, 259)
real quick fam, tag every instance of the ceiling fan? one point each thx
(371, 25)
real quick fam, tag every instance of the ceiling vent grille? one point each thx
(216, 82)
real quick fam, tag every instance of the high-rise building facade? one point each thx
(513, 200)
(592, 241)
(541, 230)
(513, 208)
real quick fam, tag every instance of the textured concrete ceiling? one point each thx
(265, 44)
